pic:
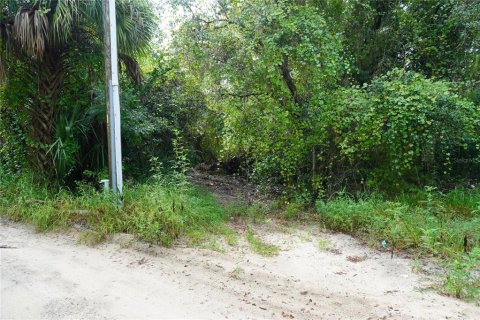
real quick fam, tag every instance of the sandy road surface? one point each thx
(52, 277)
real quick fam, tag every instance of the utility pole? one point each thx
(112, 97)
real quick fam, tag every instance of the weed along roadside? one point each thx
(162, 213)
(157, 212)
(123, 278)
(422, 225)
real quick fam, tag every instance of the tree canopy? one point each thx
(311, 96)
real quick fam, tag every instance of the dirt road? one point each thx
(52, 277)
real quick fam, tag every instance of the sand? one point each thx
(51, 276)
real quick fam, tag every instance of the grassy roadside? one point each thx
(426, 223)
(159, 211)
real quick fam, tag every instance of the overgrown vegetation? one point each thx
(322, 96)
(426, 223)
(352, 105)
(157, 211)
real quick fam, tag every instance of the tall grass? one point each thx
(424, 222)
(159, 211)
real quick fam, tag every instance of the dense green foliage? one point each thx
(312, 96)
(282, 76)
(404, 128)
(163, 108)
(269, 95)
(51, 63)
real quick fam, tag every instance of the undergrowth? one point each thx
(426, 223)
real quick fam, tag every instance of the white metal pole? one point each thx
(114, 99)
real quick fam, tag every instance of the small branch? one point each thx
(6, 247)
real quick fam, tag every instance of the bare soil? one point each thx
(226, 188)
(50, 276)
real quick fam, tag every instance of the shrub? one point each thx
(404, 127)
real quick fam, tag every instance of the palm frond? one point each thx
(63, 19)
(30, 31)
(135, 25)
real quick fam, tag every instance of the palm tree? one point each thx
(41, 34)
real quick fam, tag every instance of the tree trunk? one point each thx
(50, 82)
(287, 77)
